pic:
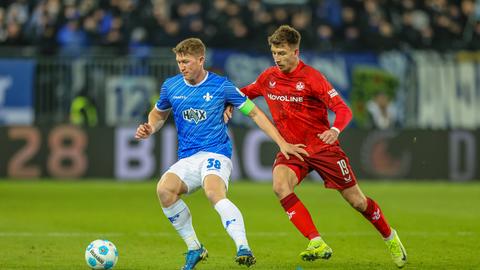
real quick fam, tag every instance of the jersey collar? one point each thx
(198, 84)
(294, 72)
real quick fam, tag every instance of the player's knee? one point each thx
(358, 203)
(214, 196)
(166, 196)
(281, 189)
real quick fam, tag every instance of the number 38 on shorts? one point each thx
(213, 164)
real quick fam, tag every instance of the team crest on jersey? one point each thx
(272, 84)
(207, 97)
(300, 86)
(194, 115)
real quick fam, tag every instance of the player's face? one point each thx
(191, 67)
(285, 57)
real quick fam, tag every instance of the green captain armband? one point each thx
(247, 107)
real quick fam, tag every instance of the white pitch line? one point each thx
(56, 234)
(255, 234)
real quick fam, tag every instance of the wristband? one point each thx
(336, 129)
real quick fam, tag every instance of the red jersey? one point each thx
(298, 102)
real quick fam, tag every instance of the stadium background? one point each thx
(77, 76)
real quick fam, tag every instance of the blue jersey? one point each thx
(198, 112)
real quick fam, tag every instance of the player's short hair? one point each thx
(190, 46)
(285, 34)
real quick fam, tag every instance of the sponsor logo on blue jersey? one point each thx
(195, 115)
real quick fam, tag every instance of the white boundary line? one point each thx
(255, 234)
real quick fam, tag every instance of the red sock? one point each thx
(376, 217)
(299, 216)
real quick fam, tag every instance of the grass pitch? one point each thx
(48, 224)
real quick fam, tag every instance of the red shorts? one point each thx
(331, 163)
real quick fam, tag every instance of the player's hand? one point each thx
(294, 149)
(328, 136)
(228, 113)
(143, 131)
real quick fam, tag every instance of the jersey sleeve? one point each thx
(330, 97)
(254, 89)
(233, 95)
(163, 103)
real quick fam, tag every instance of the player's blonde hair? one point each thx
(190, 46)
(285, 34)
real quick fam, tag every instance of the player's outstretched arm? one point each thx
(262, 121)
(156, 119)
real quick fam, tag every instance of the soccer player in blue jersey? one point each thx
(197, 99)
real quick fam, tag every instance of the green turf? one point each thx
(48, 224)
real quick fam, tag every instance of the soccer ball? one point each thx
(101, 254)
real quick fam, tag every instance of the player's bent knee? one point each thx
(359, 204)
(166, 196)
(281, 189)
(214, 196)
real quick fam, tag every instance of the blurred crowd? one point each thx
(70, 26)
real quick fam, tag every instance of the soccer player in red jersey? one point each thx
(298, 97)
